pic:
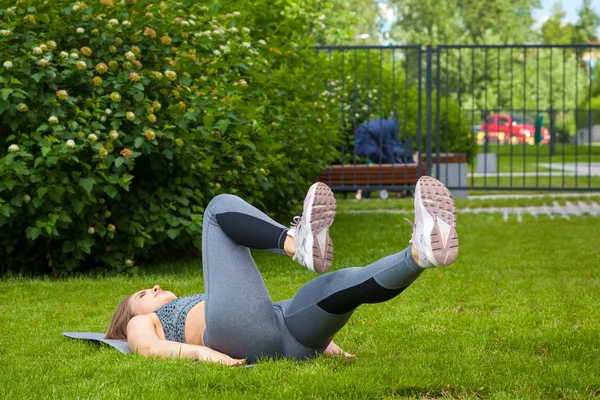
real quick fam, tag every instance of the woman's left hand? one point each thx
(334, 350)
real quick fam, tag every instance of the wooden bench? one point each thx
(350, 177)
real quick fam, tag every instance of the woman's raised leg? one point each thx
(239, 313)
(323, 305)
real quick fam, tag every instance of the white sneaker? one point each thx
(314, 248)
(434, 231)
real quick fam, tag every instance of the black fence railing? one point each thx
(521, 117)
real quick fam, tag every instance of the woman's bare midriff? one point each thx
(195, 325)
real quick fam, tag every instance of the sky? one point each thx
(569, 6)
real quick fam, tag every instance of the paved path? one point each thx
(578, 208)
(557, 169)
(532, 196)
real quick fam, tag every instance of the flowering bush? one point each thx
(120, 120)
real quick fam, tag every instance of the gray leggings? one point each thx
(243, 322)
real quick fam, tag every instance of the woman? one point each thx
(236, 322)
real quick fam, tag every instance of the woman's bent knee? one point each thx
(221, 201)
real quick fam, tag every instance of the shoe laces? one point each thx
(412, 226)
(292, 231)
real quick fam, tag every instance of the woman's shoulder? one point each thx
(144, 325)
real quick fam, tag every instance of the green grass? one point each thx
(515, 317)
(519, 158)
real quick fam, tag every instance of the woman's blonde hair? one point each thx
(117, 329)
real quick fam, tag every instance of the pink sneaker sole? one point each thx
(437, 201)
(322, 214)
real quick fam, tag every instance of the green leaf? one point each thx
(64, 218)
(52, 160)
(68, 247)
(42, 191)
(173, 233)
(10, 137)
(207, 120)
(139, 241)
(139, 96)
(111, 191)
(86, 244)
(78, 206)
(32, 233)
(4, 93)
(139, 141)
(87, 184)
(223, 124)
(119, 161)
(46, 150)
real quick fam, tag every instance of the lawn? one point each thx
(515, 317)
(524, 158)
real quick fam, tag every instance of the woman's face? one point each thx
(149, 300)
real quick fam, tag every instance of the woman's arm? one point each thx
(142, 337)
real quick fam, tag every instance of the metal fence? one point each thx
(478, 117)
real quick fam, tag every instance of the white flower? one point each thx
(91, 230)
(185, 23)
(64, 54)
(13, 148)
(75, 7)
(92, 137)
(7, 65)
(5, 32)
(70, 144)
(245, 30)
(37, 50)
(216, 52)
(79, 30)
(236, 13)
(114, 135)
(246, 44)
(113, 21)
(262, 42)
(43, 62)
(223, 48)
(171, 75)
(233, 30)
(103, 118)
(53, 119)
(207, 33)
(321, 17)
(191, 21)
(43, 47)
(74, 56)
(126, 23)
(108, 111)
(130, 56)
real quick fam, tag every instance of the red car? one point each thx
(510, 128)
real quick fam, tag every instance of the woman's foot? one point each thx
(314, 248)
(434, 231)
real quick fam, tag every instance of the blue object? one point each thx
(378, 141)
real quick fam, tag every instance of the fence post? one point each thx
(428, 109)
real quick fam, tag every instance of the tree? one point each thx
(464, 21)
(586, 27)
(555, 30)
(339, 22)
